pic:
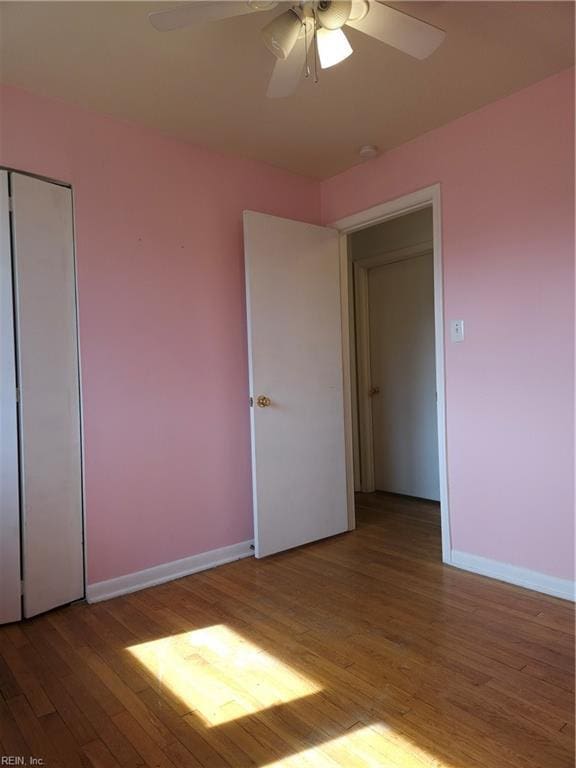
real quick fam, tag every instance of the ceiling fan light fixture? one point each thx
(333, 14)
(333, 47)
(281, 34)
(358, 10)
(262, 5)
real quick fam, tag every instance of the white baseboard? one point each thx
(131, 582)
(521, 577)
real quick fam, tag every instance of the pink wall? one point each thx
(162, 329)
(506, 174)
(159, 250)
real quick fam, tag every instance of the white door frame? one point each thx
(422, 198)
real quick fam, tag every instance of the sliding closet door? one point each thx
(50, 444)
(10, 605)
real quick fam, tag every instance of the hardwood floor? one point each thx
(362, 650)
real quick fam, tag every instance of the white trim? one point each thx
(350, 340)
(347, 380)
(400, 254)
(132, 582)
(440, 373)
(80, 399)
(364, 376)
(389, 210)
(251, 390)
(512, 574)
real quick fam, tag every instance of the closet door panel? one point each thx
(10, 603)
(52, 543)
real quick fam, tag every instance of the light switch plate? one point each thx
(457, 330)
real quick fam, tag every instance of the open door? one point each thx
(296, 382)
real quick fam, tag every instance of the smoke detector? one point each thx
(368, 151)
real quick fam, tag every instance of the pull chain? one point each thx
(307, 66)
(315, 48)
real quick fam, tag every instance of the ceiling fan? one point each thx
(311, 22)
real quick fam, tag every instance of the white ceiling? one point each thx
(206, 84)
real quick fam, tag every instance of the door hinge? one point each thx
(10, 205)
(251, 402)
(17, 394)
(22, 588)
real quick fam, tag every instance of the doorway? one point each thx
(395, 356)
(391, 266)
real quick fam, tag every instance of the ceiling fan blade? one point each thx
(202, 11)
(410, 35)
(287, 72)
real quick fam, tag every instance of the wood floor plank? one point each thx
(82, 693)
(74, 718)
(21, 662)
(197, 742)
(132, 703)
(539, 670)
(11, 737)
(147, 747)
(39, 745)
(69, 752)
(99, 755)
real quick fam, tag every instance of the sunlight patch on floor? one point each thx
(223, 677)
(219, 674)
(376, 746)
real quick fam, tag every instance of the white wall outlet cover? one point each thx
(457, 330)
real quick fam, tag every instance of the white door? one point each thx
(295, 360)
(10, 604)
(403, 369)
(50, 447)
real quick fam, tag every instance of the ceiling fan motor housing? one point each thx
(262, 5)
(333, 14)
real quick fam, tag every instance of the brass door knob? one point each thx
(263, 402)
